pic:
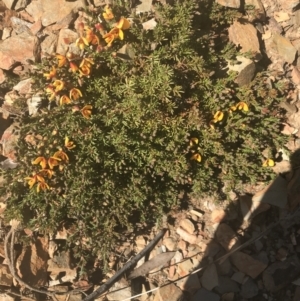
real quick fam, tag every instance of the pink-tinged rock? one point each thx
(245, 35)
(6, 33)
(48, 46)
(17, 49)
(9, 141)
(170, 293)
(66, 37)
(2, 76)
(226, 237)
(36, 27)
(217, 216)
(230, 3)
(187, 225)
(52, 11)
(25, 16)
(24, 86)
(190, 238)
(9, 3)
(248, 265)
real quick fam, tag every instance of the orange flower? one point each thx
(51, 90)
(40, 160)
(61, 155)
(123, 24)
(75, 94)
(196, 157)
(47, 173)
(64, 100)
(73, 67)
(85, 70)
(240, 106)
(51, 74)
(62, 60)
(53, 161)
(108, 15)
(86, 62)
(81, 43)
(34, 179)
(194, 141)
(59, 85)
(69, 144)
(86, 111)
(91, 37)
(42, 186)
(112, 35)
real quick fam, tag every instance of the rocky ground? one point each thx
(245, 249)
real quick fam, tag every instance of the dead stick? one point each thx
(103, 288)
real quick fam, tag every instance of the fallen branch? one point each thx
(103, 288)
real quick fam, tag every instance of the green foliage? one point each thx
(133, 157)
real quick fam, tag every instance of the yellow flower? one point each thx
(112, 35)
(51, 90)
(64, 100)
(62, 60)
(42, 186)
(53, 161)
(86, 111)
(268, 162)
(81, 43)
(242, 106)
(51, 74)
(91, 37)
(47, 173)
(69, 144)
(34, 179)
(196, 157)
(108, 15)
(59, 85)
(75, 93)
(40, 160)
(194, 141)
(73, 67)
(86, 62)
(218, 116)
(85, 70)
(123, 24)
(61, 156)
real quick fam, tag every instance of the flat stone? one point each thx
(249, 289)
(144, 6)
(121, 291)
(65, 38)
(230, 3)
(226, 237)
(9, 3)
(278, 274)
(244, 34)
(228, 297)
(224, 268)
(9, 141)
(170, 292)
(187, 225)
(248, 265)
(17, 49)
(217, 216)
(238, 277)
(36, 27)
(5, 297)
(209, 279)
(274, 194)
(24, 86)
(285, 48)
(49, 44)
(203, 294)
(6, 279)
(170, 243)
(44, 9)
(226, 285)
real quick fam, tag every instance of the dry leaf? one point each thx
(148, 266)
(281, 16)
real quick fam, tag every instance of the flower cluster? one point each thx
(59, 158)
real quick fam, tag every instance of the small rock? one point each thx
(226, 285)
(190, 238)
(282, 254)
(170, 292)
(187, 225)
(203, 294)
(6, 279)
(49, 44)
(289, 5)
(21, 4)
(245, 35)
(226, 237)
(24, 86)
(224, 268)
(65, 38)
(5, 297)
(119, 291)
(6, 33)
(209, 279)
(170, 243)
(211, 249)
(230, 3)
(189, 283)
(36, 27)
(285, 48)
(9, 3)
(249, 289)
(238, 277)
(248, 265)
(9, 141)
(217, 216)
(144, 6)
(228, 297)
(33, 104)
